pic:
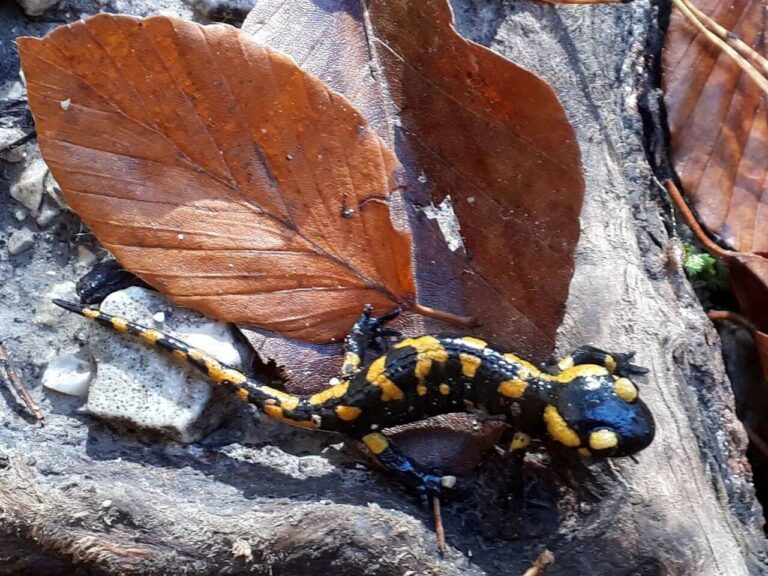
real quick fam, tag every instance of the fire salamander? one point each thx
(590, 406)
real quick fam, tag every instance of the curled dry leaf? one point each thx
(220, 172)
(718, 122)
(482, 140)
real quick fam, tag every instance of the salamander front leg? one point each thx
(618, 363)
(407, 472)
(365, 334)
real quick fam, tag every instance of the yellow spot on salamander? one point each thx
(278, 414)
(179, 355)
(151, 336)
(242, 393)
(558, 428)
(444, 389)
(376, 442)
(330, 393)
(377, 376)
(351, 363)
(513, 388)
(625, 390)
(473, 342)
(91, 313)
(610, 363)
(429, 350)
(421, 390)
(120, 324)
(565, 363)
(525, 368)
(348, 413)
(569, 375)
(469, 364)
(520, 441)
(603, 439)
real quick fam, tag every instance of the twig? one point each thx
(17, 385)
(694, 225)
(439, 529)
(544, 561)
(740, 61)
(743, 321)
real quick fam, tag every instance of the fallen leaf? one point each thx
(480, 138)
(718, 123)
(220, 172)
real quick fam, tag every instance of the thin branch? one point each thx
(439, 529)
(17, 385)
(545, 560)
(693, 224)
(743, 321)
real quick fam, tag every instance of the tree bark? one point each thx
(262, 499)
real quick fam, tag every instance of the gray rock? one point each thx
(9, 135)
(29, 188)
(36, 7)
(46, 312)
(20, 241)
(147, 388)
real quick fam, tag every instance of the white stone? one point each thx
(148, 388)
(69, 373)
(49, 211)
(36, 7)
(29, 188)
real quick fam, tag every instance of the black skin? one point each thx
(461, 374)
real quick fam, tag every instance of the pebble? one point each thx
(36, 7)
(69, 374)
(49, 211)
(20, 241)
(85, 257)
(29, 188)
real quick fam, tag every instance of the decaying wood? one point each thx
(265, 500)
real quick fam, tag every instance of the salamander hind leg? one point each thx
(618, 363)
(414, 477)
(366, 333)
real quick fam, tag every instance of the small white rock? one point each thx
(36, 7)
(20, 241)
(69, 374)
(29, 188)
(159, 317)
(65, 104)
(20, 214)
(85, 257)
(49, 211)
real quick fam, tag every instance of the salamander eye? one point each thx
(603, 442)
(625, 389)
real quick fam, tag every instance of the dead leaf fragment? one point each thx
(467, 124)
(718, 121)
(220, 172)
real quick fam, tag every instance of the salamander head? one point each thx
(598, 413)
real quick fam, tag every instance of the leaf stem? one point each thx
(693, 223)
(449, 317)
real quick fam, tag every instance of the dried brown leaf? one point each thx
(220, 172)
(718, 123)
(467, 124)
